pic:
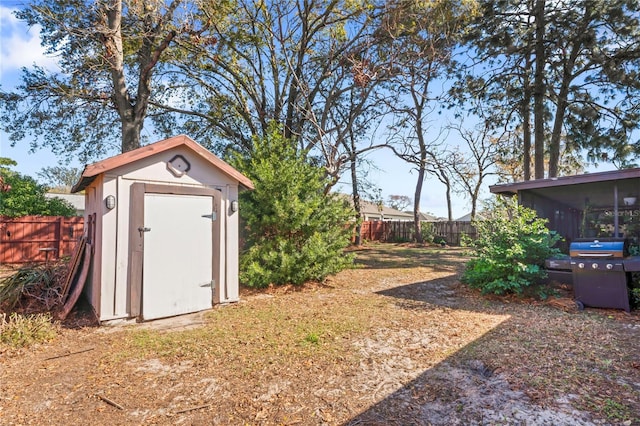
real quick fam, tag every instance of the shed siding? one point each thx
(154, 169)
(232, 246)
(93, 197)
(111, 260)
(121, 302)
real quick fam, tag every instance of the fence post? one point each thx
(58, 237)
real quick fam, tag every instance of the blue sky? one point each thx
(20, 47)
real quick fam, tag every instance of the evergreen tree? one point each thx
(512, 245)
(569, 68)
(294, 232)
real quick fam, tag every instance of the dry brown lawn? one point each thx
(396, 341)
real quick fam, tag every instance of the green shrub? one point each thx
(25, 196)
(294, 231)
(428, 234)
(20, 331)
(635, 289)
(510, 250)
(635, 298)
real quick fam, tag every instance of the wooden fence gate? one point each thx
(38, 238)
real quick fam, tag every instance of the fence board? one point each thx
(38, 238)
(373, 230)
(452, 231)
(396, 231)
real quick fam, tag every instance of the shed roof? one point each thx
(91, 171)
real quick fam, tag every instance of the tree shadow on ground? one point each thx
(439, 292)
(409, 257)
(535, 364)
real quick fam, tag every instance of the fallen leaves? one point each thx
(393, 344)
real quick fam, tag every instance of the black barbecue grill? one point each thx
(599, 275)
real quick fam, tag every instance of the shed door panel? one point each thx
(178, 257)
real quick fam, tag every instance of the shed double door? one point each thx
(178, 254)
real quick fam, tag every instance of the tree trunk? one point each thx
(131, 125)
(561, 106)
(526, 127)
(356, 203)
(114, 54)
(132, 111)
(449, 207)
(539, 91)
(131, 130)
(416, 204)
(475, 195)
(554, 144)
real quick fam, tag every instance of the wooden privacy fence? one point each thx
(400, 231)
(452, 231)
(38, 238)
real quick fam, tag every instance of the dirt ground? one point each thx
(397, 341)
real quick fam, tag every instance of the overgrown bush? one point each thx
(18, 331)
(33, 287)
(510, 250)
(294, 231)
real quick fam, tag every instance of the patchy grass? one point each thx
(406, 255)
(20, 331)
(395, 341)
(268, 331)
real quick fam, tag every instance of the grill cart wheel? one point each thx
(579, 305)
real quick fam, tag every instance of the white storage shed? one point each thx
(162, 222)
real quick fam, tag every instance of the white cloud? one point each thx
(20, 44)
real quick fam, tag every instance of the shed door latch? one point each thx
(213, 216)
(211, 284)
(143, 230)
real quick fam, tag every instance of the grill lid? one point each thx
(600, 248)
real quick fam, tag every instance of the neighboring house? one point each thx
(372, 211)
(426, 217)
(467, 217)
(76, 200)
